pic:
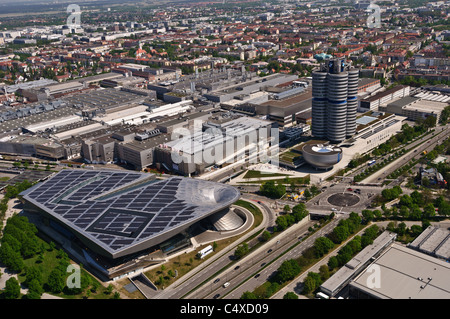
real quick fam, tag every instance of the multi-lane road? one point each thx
(258, 266)
(428, 144)
(224, 258)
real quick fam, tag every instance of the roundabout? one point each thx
(343, 200)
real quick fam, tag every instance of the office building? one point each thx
(334, 103)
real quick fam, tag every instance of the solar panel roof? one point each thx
(120, 210)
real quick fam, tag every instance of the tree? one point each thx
(333, 262)
(266, 235)
(271, 190)
(416, 230)
(33, 273)
(299, 212)
(355, 244)
(309, 285)
(12, 288)
(10, 258)
(288, 270)
(109, 289)
(286, 208)
(429, 211)
(241, 250)
(282, 223)
(344, 255)
(307, 194)
(429, 122)
(322, 246)
(35, 289)
(406, 200)
(417, 198)
(367, 215)
(56, 281)
(339, 234)
(324, 272)
(401, 229)
(248, 295)
(290, 295)
(445, 115)
(312, 282)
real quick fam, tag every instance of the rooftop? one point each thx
(116, 212)
(434, 241)
(407, 274)
(349, 270)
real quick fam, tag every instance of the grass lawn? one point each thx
(259, 174)
(289, 156)
(296, 180)
(49, 263)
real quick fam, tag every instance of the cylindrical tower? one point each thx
(334, 103)
(337, 106)
(319, 104)
(352, 101)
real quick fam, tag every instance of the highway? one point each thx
(258, 275)
(250, 264)
(223, 259)
(441, 133)
(256, 268)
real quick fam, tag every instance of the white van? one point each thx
(225, 285)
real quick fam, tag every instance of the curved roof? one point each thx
(121, 212)
(321, 149)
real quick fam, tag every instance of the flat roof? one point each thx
(290, 101)
(62, 112)
(385, 93)
(426, 106)
(149, 143)
(349, 270)
(364, 81)
(364, 120)
(435, 241)
(407, 274)
(116, 212)
(404, 101)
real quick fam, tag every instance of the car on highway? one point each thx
(269, 251)
(263, 264)
(257, 275)
(236, 268)
(225, 285)
(216, 296)
(217, 280)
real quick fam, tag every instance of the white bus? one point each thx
(205, 251)
(321, 295)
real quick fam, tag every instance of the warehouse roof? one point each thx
(407, 274)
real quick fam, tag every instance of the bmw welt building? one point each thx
(115, 215)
